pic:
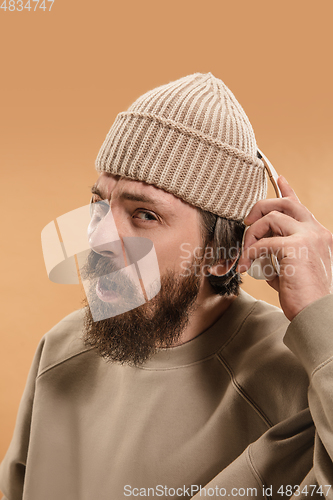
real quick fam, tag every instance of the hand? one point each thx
(284, 227)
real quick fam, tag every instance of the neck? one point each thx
(208, 308)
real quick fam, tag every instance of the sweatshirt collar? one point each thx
(208, 342)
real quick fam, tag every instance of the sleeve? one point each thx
(310, 338)
(12, 469)
(294, 458)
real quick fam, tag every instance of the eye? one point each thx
(145, 216)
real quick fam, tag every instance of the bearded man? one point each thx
(201, 390)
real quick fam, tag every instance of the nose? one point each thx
(103, 235)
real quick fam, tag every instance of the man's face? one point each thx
(142, 210)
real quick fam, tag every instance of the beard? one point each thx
(137, 334)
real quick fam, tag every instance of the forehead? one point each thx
(111, 184)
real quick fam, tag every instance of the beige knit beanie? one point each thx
(193, 139)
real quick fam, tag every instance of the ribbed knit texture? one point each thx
(193, 139)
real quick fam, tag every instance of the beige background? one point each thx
(65, 74)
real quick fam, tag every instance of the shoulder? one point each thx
(62, 342)
(267, 372)
(254, 321)
(263, 317)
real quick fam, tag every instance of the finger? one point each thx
(275, 223)
(287, 206)
(286, 189)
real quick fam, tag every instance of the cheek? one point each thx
(178, 253)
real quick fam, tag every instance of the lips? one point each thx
(106, 289)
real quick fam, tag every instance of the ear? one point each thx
(222, 267)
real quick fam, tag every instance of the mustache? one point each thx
(97, 265)
(103, 271)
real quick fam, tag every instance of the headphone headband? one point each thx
(272, 173)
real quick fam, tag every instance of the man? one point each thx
(194, 392)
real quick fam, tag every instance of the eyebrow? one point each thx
(95, 190)
(130, 197)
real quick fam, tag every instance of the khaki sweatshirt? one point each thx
(234, 412)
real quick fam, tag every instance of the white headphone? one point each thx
(266, 268)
